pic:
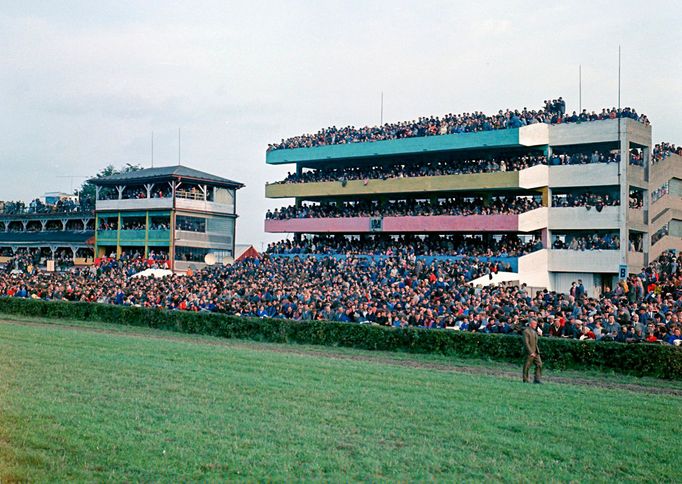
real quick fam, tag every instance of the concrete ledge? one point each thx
(605, 261)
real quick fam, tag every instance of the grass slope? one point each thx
(129, 405)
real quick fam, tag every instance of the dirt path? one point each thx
(379, 357)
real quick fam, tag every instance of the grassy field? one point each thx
(95, 402)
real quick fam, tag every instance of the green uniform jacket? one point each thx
(530, 339)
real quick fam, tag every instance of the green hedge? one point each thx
(636, 359)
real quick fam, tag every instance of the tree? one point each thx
(86, 193)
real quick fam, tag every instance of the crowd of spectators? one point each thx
(595, 241)
(662, 150)
(660, 192)
(507, 245)
(558, 158)
(135, 192)
(636, 199)
(397, 290)
(660, 233)
(447, 167)
(416, 169)
(37, 206)
(586, 199)
(31, 260)
(451, 124)
(373, 208)
(132, 225)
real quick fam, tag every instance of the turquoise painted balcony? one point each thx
(107, 237)
(159, 237)
(132, 236)
(533, 135)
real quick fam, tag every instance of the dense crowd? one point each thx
(135, 192)
(409, 245)
(30, 260)
(660, 192)
(447, 167)
(373, 208)
(451, 124)
(662, 150)
(395, 291)
(586, 199)
(595, 241)
(37, 206)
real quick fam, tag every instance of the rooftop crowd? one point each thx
(554, 113)
(397, 291)
(37, 206)
(662, 150)
(373, 208)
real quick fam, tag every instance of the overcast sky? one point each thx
(83, 84)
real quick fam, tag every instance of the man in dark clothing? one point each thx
(530, 342)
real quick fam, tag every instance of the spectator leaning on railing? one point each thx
(451, 206)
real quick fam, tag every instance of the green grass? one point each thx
(135, 404)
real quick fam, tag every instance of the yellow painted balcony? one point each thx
(445, 183)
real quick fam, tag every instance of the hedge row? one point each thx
(636, 359)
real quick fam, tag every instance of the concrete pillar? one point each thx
(24, 223)
(120, 189)
(624, 189)
(43, 223)
(149, 187)
(64, 222)
(546, 193)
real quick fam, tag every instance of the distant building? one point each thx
(49, 231)
(174, 213)
(245, 251)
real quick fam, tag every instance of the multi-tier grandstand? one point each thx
(173, 213)
(554, 197)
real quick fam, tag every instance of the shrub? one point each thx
(636, 359)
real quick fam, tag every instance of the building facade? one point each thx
(175, 214)
(643, 218)
(50, 234)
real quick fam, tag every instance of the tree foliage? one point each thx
(86, 192)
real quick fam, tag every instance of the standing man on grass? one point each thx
(530, 341)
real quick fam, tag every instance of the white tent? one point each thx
(496, 279)
(157, 273)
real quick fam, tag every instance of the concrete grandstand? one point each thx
(605, 207)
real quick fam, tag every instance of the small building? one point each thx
(245, 251)
(174, 214)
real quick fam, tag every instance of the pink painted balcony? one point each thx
(421, 224)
